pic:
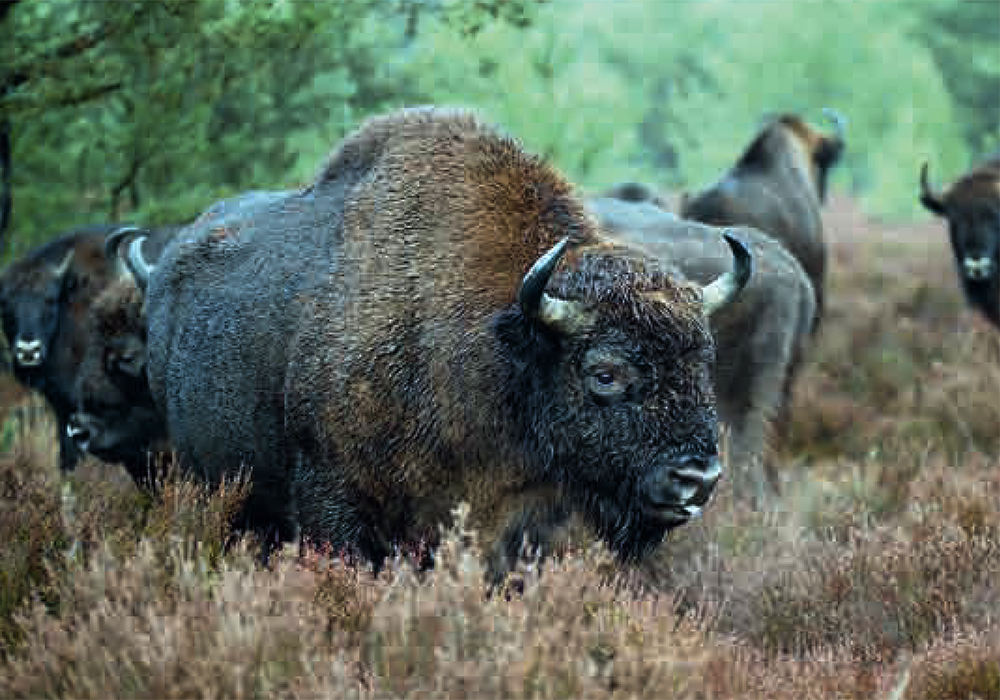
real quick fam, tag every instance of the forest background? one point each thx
(148, 112)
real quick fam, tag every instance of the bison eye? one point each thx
(607, 383)
(608, 376)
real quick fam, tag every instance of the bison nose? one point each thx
(28, 353)
(677, 489)
(977, 269)
(78, 432)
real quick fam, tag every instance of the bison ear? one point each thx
(829, 152)
(928, 196)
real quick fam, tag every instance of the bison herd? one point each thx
(440, 317)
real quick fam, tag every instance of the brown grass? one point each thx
(874, 576)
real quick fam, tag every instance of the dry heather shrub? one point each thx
(966, 665)
(345, 592)
(104, 507)
(101, 507)
(564, 632)
(237, 633)
(194, 514)
(899, 355)
(965, 492)
(878, 594)
(31, 528)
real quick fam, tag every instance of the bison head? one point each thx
(620, 396)
(31, 295)
(116, 420)
(972, 209)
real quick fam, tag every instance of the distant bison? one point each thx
(636, 192)
(116, 419)
(777, 186)
(44, 298)
(972, 207)
(436, 319)
(759, 339)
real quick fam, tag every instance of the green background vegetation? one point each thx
(148, 112)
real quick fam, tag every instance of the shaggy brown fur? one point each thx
(971, 205)
(416, 382)
(116, 420)
(777, 186)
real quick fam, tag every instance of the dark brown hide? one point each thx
(971, 206)
(116, 419)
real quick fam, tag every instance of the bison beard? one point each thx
(436, 320)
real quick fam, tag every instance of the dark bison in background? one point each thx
(434, 320)
(636, 192)
(972, 208)
(44, 298)
(759, 339)
(116, 419)
(777, 186)
(46, 302)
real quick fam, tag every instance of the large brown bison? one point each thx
(971, 205)
(777, 186)
(436, 319)
(759, 339)
(116, 419)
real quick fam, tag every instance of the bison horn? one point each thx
(930, 198)
(727, 287)
(137, 265)
(535, 303)
(62, 268)
(839, 121)
(113, 240)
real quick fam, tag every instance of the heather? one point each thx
(873, 576)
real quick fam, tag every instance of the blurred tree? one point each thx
(964, 39)
(151, 110)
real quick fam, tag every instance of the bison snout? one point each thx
(678, 489)
(978, 269)
(80, 431)
(28, 353)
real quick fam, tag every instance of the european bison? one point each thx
(45, 298)
(972, 208)
(116, 419)
(759, 339)
(435, 319)
(777, 186)
(636, 192)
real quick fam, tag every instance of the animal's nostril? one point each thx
(79, 434)
(28, 352)
(978, 268)
(687, 480)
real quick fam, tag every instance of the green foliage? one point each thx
(672, 92)
(964, 39)
(151, 111)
